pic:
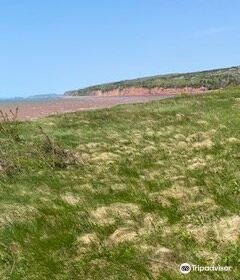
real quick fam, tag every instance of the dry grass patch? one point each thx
(11, 213)
(104, 157)
(117, 188)
(199, 233)
(108, 214)
(88, 239)
(150, 223)
(71, 198)
(196, 163)
(180, 137)
(228, 229)
(206, 204)
(233, 140)
(200, 140)
(180, 192)
(212, 258)
(207, 143)
(159, 259)
(122, 235)
(150, 149)
(202, 122)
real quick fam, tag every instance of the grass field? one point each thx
(124, 193)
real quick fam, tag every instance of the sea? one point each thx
(38, 98)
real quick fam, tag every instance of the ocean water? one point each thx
(14, 101)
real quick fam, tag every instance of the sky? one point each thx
(50, 46)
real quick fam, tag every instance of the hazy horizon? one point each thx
(11, 97)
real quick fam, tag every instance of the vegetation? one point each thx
(213, 79)
(124, 193)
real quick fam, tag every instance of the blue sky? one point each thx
(49, 46)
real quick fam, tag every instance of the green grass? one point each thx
(129, 192)
(211, 79)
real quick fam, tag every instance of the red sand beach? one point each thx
(30, 110)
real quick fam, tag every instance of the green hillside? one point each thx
(127, 193)
(212, 79)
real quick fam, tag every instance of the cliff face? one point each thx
(141, 91)
(164, 84)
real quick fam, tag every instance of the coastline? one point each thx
(34, 109)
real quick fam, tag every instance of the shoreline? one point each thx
(34, 109)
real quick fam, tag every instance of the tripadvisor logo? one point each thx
(185, 268)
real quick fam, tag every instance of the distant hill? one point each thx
(44, 96)
(210, 79)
